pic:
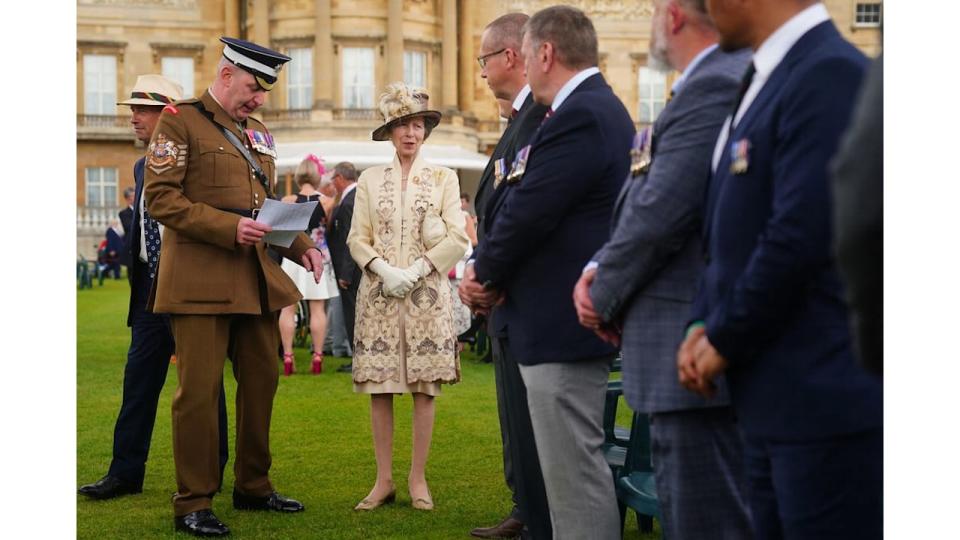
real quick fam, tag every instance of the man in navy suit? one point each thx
(770, 311)
(551, 219)
(641, 284)
(344, 267)
(151, 342)
(501, 65)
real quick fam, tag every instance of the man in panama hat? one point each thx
(151, 342)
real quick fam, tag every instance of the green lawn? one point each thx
(322, 450)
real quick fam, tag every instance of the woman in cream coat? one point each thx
(407, 232)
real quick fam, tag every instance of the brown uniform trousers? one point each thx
(223, 299)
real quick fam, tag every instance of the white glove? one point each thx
(396, 282)
(419, 269)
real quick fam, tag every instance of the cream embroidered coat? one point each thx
(420, 325)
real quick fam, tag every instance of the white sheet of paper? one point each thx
(287, 220)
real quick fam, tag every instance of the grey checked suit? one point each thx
(645, 283)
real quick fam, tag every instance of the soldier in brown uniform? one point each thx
(209, 167)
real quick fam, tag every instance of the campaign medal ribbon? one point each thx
(739, 155)
(499, 170)
(261, 142)
(640, 152)
(519, 165)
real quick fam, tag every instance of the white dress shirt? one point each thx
(521, 97)
(766, 59)
(572, 85)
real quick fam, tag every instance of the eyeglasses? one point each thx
(483, 59)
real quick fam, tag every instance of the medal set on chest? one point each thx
(261, 142)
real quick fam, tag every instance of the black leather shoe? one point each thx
(346, 368)
(201, 523)
(108, 487)
(274, 501)
(508, 528)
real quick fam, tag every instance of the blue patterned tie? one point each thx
(151, 233)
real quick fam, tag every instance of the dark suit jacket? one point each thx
(770, 294)
(648, 271)
(126, 219)
(140, 281)
(519, 131)
(546, 227)
(344, 266)
(858, 214)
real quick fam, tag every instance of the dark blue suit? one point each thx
(544, 229)
(774, 306)
(540, 232)
(148, 358)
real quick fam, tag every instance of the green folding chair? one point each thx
(635, 484)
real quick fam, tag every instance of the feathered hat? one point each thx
(400, 102)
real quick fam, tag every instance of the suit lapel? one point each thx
(771, 88)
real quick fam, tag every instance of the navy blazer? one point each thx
(516, 136)
(344, 267)
(545, 227)
(770, 294)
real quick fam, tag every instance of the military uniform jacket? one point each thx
(192, 174)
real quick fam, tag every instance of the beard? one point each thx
(657, 58)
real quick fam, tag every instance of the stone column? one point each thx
(323, 68)
(468, 59)
(395, 41)
(261, 23)
(449, 55)
(231, 19)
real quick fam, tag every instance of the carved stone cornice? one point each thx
(161, 49)
(174, 4)
(595, 9)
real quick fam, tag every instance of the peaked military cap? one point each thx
(264, 64)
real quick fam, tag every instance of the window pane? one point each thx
(358, 78)
(415, 68)
(99, 84)
(652, 92)
(300, 79)
(93, 186)
(179, 69)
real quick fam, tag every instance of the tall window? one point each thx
(300, 79)
(415, 68)
(868, 14)
(101, 186)
(357, 78)
(653, 86)
(179, 69)
(99, 84)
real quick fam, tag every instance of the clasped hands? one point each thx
(475, 296)
(699, 363)
(397, 282)
(250, 231)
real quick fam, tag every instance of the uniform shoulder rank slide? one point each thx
(499, 171)
(739, 156)
(163, 154)
(519, 165)
(641, 152)
(262, 142)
